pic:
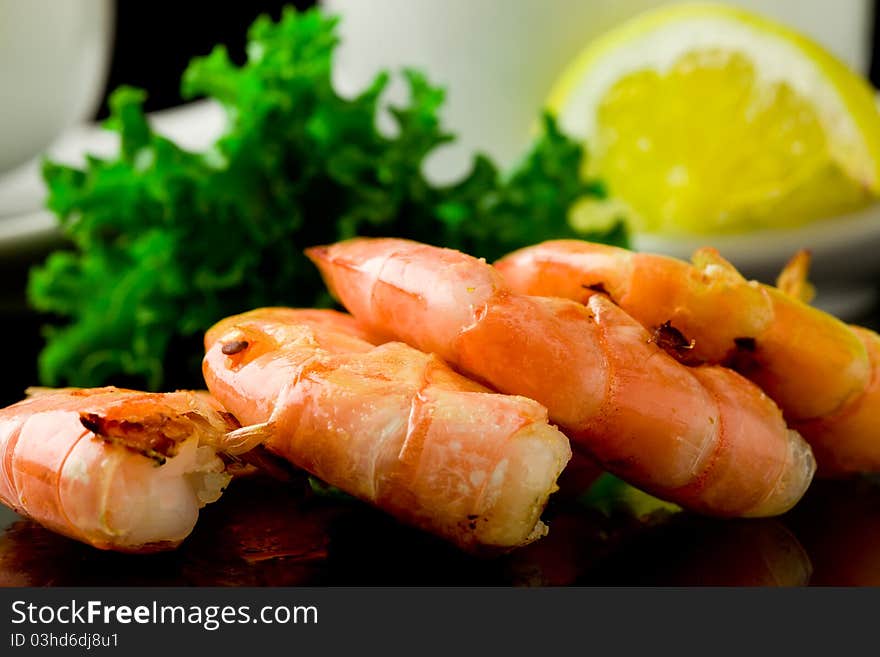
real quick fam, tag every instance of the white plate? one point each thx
(23, 219)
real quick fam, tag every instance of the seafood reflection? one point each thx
(839, 526)
(271, 533)
(696, 551)
(580, 538)
(265, 533)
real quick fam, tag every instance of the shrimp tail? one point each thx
(793, 281)
(247, 438)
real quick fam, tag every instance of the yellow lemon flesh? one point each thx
(708, 119)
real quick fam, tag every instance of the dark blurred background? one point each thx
(153, 43)
(151, 51)
(875, 59)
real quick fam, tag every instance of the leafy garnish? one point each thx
(610, 495)
(321, 489)
(165, 242)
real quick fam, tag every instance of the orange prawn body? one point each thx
(117, 469)
(822, 372)
(703, 437)
(388, 424)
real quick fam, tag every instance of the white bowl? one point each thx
(845, 256)
(54, 58)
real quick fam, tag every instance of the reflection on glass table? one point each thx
(273, 533)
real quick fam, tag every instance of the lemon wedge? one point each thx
(705, 118)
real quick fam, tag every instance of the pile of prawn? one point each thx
(455, 394)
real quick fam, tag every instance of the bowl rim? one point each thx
(758, 246)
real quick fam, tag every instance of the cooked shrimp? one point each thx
(117, 469)
(388, 424)
(703, 437)
(824, 374)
